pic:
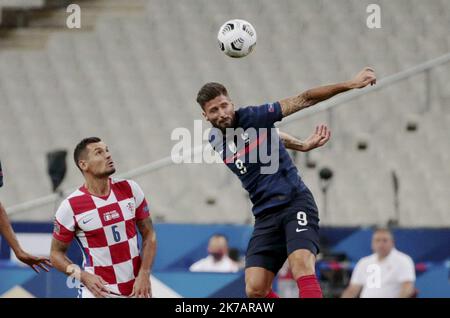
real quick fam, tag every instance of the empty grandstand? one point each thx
(132, 74)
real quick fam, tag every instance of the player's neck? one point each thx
(98, 186)
(382, 257)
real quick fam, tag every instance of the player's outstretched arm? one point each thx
(7, 232)
(316, 95)
(142, 286)
(61, 262)
(319, 138)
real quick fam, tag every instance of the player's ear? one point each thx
(82, 164)
(204, 115)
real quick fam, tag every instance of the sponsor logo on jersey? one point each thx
(87, 221)
(108, 216)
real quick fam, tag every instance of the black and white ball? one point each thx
(237, 38)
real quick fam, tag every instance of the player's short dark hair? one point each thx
(219, 235)
(210, 91)
(81, 147)
(384, 229)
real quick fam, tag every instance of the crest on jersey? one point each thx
(232, 147)
(245, 137)
(130, 206)
(108, 216)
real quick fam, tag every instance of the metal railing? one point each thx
(326, 105)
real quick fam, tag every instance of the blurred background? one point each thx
(130, 75)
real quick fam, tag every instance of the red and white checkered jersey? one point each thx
(105, 229)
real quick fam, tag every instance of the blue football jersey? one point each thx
(252, 150)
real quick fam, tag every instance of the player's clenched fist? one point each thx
(365, 77)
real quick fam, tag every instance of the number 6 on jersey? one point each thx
(116, 234)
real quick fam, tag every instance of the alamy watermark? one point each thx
(73, 21)
(238, 146)
(74, 278)
(374, 19)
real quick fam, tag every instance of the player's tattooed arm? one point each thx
(319, 94)
(319, 138)
(7, 232)
(142, 287)
(61, 262)
(291, 142)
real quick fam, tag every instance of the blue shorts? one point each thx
(278, 233)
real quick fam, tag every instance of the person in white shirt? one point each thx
(388, 273)
(218, 259)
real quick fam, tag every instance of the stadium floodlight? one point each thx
(325, 177)
(396, 187)
(412, 123)
(326, 174)
(1, 175)
(56, 167)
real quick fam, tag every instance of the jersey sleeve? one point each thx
(142, 209)
(358, 277)
(198, 266)
(264, 115)
(64, 223)
(407, 271)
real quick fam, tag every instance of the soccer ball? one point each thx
(237, 38)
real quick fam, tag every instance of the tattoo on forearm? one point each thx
(294, 104)
(311, 97)
(291, 142)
